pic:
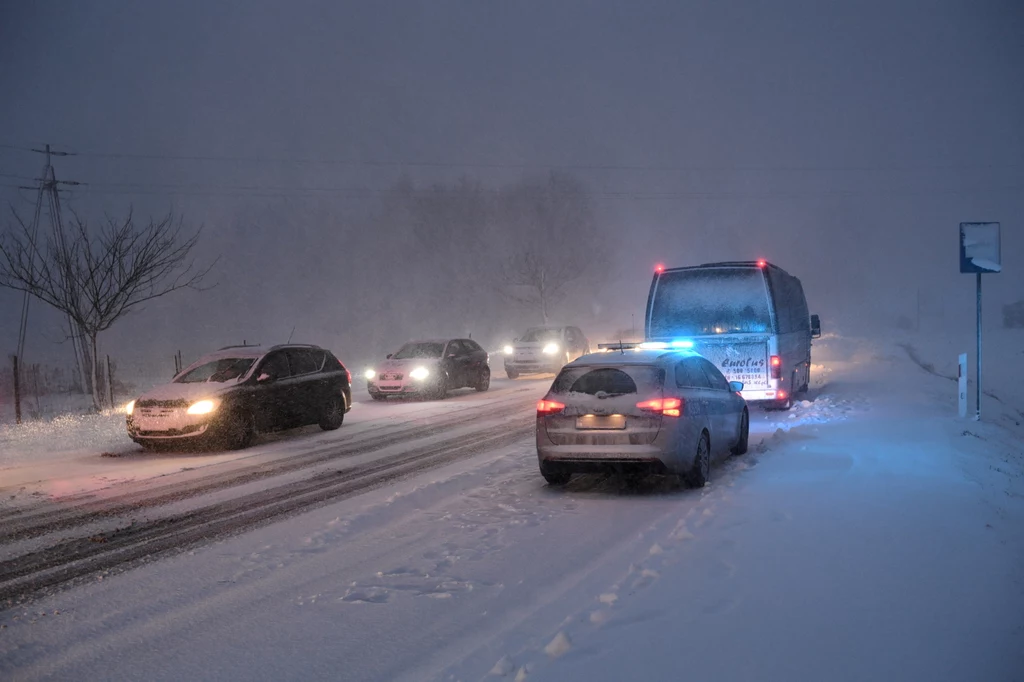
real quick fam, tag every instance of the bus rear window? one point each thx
(710, 301)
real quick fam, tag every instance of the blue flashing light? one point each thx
(682, 344)
(654, 345)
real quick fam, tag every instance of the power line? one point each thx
(526, 166)
(258, 191)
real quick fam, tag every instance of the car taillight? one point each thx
(549, 407)
(776, 364)
(349, 375)
(781, 395)
(670, 407)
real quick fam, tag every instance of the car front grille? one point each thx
(391, 376)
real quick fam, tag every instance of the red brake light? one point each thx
(549, 407)
(349, 375)
(776, 364)
(670, 407)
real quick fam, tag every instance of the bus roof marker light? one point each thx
(761, 263)
(659, 268)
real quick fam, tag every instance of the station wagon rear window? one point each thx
(610, 380)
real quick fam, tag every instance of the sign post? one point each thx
(961, 385)
(979, 253)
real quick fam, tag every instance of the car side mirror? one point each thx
(389, 355)
(264, 377)
(815, 327)
(735, 386)
(451, 355)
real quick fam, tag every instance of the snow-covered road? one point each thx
(870, 535)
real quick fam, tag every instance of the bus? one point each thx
(750, 318)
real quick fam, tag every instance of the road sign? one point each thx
(979, 255)
(979, 248)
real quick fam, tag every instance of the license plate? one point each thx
(601, 422)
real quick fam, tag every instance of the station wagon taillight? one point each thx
(669, 407)
(349, 375)
(776, 365)
(549, 407)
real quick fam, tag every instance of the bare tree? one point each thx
(97, 277)
(551, 235)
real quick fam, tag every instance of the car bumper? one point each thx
(403, 388)
(534, 366)
(144, 430)
(662, 455)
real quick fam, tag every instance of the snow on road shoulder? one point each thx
(881, 547)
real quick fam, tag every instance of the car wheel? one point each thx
(441, 391)
(700, 472)
(556, 477)
(741, 445)
(334, 414)
(512, 374)
(240, 431)
(484, 382)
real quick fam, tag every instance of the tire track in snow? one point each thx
(35, 574)
(79, 510)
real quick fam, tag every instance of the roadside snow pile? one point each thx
(36, 441)
(822, 410)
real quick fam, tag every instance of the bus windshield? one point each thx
(710, 301)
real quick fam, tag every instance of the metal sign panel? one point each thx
(979, 248)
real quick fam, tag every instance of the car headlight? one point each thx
(129, 408)
(370, 375)
(551, 349)
(202, 407)
(509, 350)
(420, 373)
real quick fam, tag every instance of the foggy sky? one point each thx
(843, 141)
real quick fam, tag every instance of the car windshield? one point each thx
(429, 349)
(710, 301)
(537, 335)
(612, 381)
(218, 371)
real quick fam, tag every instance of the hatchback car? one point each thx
(544, 349)
(227, 397)
(430, 369)
(637, 410)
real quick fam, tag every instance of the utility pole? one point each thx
(49, 188)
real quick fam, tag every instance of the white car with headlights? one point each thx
(430, 368)
(226, 397)
(544, 350)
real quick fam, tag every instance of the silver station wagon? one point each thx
(637, 410)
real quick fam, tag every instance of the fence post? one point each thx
(17, 393)
(110, 383)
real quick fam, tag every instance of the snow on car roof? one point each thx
(633, 356)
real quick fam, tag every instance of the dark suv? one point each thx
(226, 398)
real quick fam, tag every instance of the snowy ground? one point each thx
(870, 535)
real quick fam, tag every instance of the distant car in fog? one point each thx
(544, 350)
(635, 411)
(227, 397)
(430, 369)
